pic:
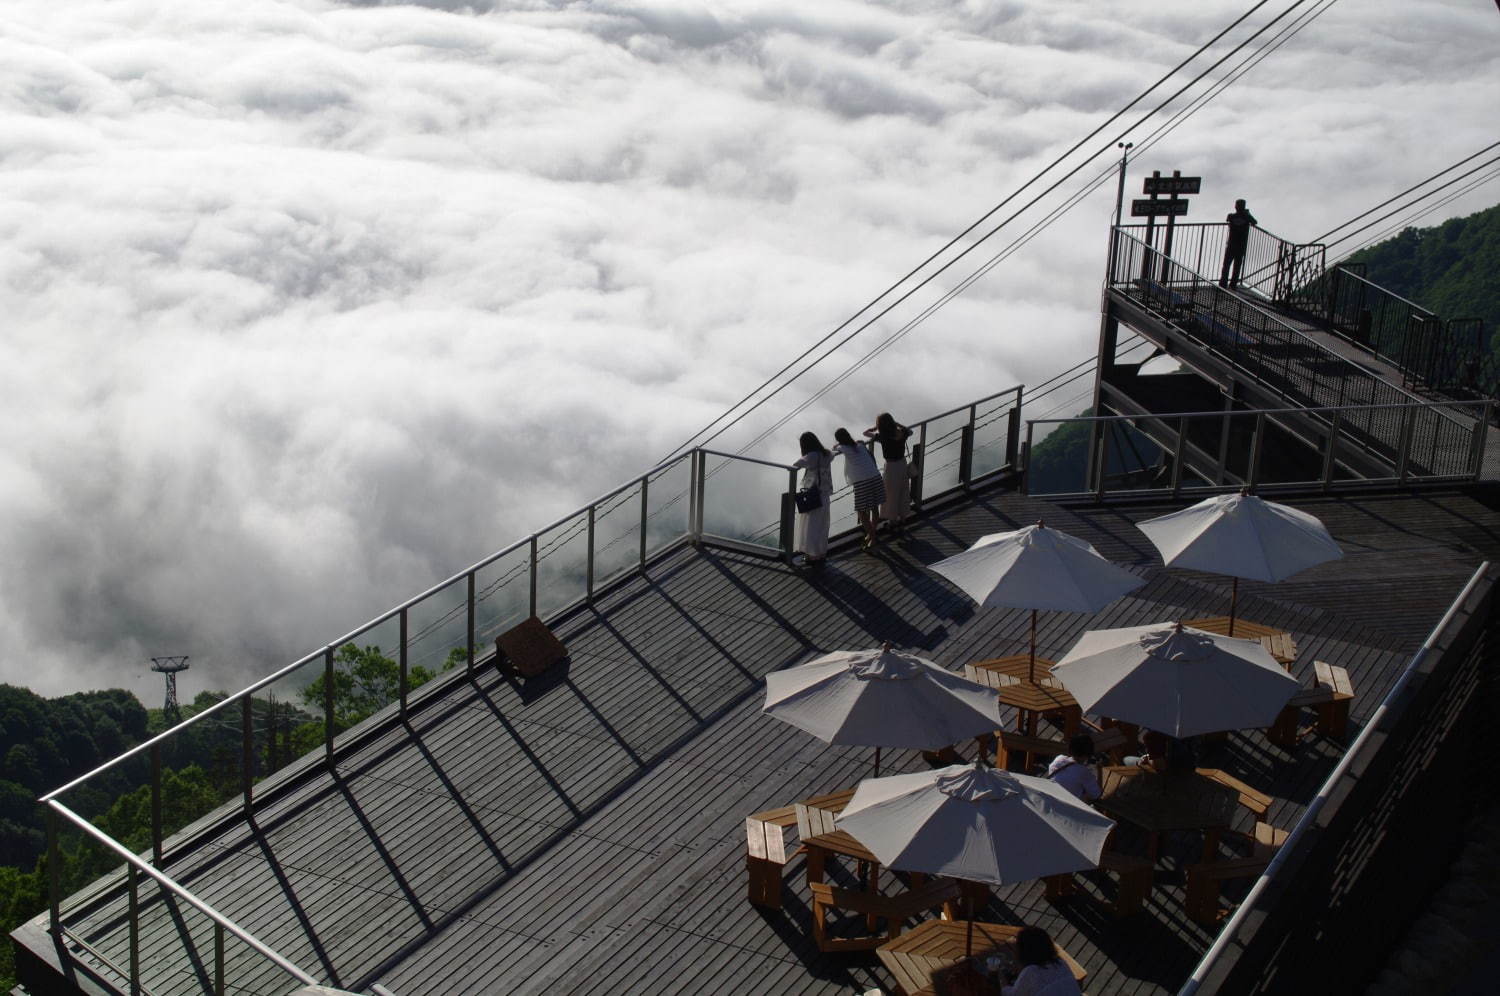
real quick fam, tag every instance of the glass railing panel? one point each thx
(841, 515)
(1442, 439)
(991, 434)
(502, 597)
(436, 633)
(288, 719)
(562, 564)
(940, 454)
(367, 669)
(1133, 461)
(617, 535)
(667, 506)
(1290, 454)
(1058, 460)
(742, 499)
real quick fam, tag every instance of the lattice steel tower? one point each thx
(169, 666)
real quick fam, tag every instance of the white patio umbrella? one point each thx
(1242, 536)
(881, 698)
(1175, 679)
(975, 823)
(1037, 568)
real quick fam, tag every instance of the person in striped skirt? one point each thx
(864, 477)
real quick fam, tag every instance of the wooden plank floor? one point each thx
(587, 837)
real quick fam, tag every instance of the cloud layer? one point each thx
(309, 305)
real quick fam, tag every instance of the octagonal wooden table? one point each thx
(934, 945)
(1030, 697)
(1158, 803)
(1278, 643)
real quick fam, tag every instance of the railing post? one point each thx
(156, 804)
(919, 454)
(532, 603)
(1332, 452)
(132, 883)
(469, 629)
(1013, 433)
(1178, 452)
(401, 659)
(54, 873)
(1256, 446)
(1099, 462)
(1026, 459)
(588, 565)
(789, 519)
(328, 705)
(965, 454)
(1403, 447)
(218, 958)
(645, 489)
(247, 746)
(1481, 436)
(699, 476)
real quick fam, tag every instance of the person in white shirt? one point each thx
(1042, 973)
(863, 476)
(1074, 772)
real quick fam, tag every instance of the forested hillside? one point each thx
(1453, 269)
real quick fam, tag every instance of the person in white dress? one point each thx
(812, 526)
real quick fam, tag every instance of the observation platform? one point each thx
(586, 835)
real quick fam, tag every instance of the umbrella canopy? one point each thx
(1242, 536)
(881, 698)
(975, 823)
(1037, 568)
(1175, 679)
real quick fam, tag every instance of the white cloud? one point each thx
(309, 305)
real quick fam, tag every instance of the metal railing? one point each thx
(1273, 267)
(1443, 355)
(1203, 452)
(288, 725)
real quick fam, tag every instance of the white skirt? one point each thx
(897, 491)
(812, 529)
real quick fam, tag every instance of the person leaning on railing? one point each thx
(892, 437)
(817, 478)
(1240, 221)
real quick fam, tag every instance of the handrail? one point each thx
(1310, 815)
(129, 857)
(1351, 275)
(737, 456)
(1221, 413)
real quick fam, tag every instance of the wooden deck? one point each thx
(588, 836)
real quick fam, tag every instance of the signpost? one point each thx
(1173, 207)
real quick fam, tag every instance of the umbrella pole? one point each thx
(1031, 670)
(969, 933)
(877, 762)
(1234, 596)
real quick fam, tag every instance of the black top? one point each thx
(894, 447)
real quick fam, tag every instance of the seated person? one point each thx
(1166, 754)
(1074, 772)
(1042, 973)
(1181, 758)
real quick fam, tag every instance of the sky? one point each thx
(310, 305)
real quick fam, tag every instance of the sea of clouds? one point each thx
(308, 305)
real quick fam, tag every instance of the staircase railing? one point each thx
(1273, 267)
(1450, 356)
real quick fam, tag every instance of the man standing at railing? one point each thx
(1240, 222)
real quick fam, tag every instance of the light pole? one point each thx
(1120, 192)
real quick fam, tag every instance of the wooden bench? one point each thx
(894, 910)
(1258, 803)
(1133, 875)
(1201, 899)
(1330, 698)
(769, 845)
(1333, 715)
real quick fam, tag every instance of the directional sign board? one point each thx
(1174, 208)
(1172, 184)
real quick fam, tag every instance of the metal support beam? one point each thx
(156, 805)
(472, 607)
(588, 567)
(401, 659)
(247, 746)
(328, 731)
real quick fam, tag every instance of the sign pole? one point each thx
(1166, 251)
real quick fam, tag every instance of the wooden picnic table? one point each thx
(1158, 802)
(1030, 697)
(1278, 643)
(934, 945)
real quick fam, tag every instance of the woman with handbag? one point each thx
(892, 437)
(861, 474)
(815, 492)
